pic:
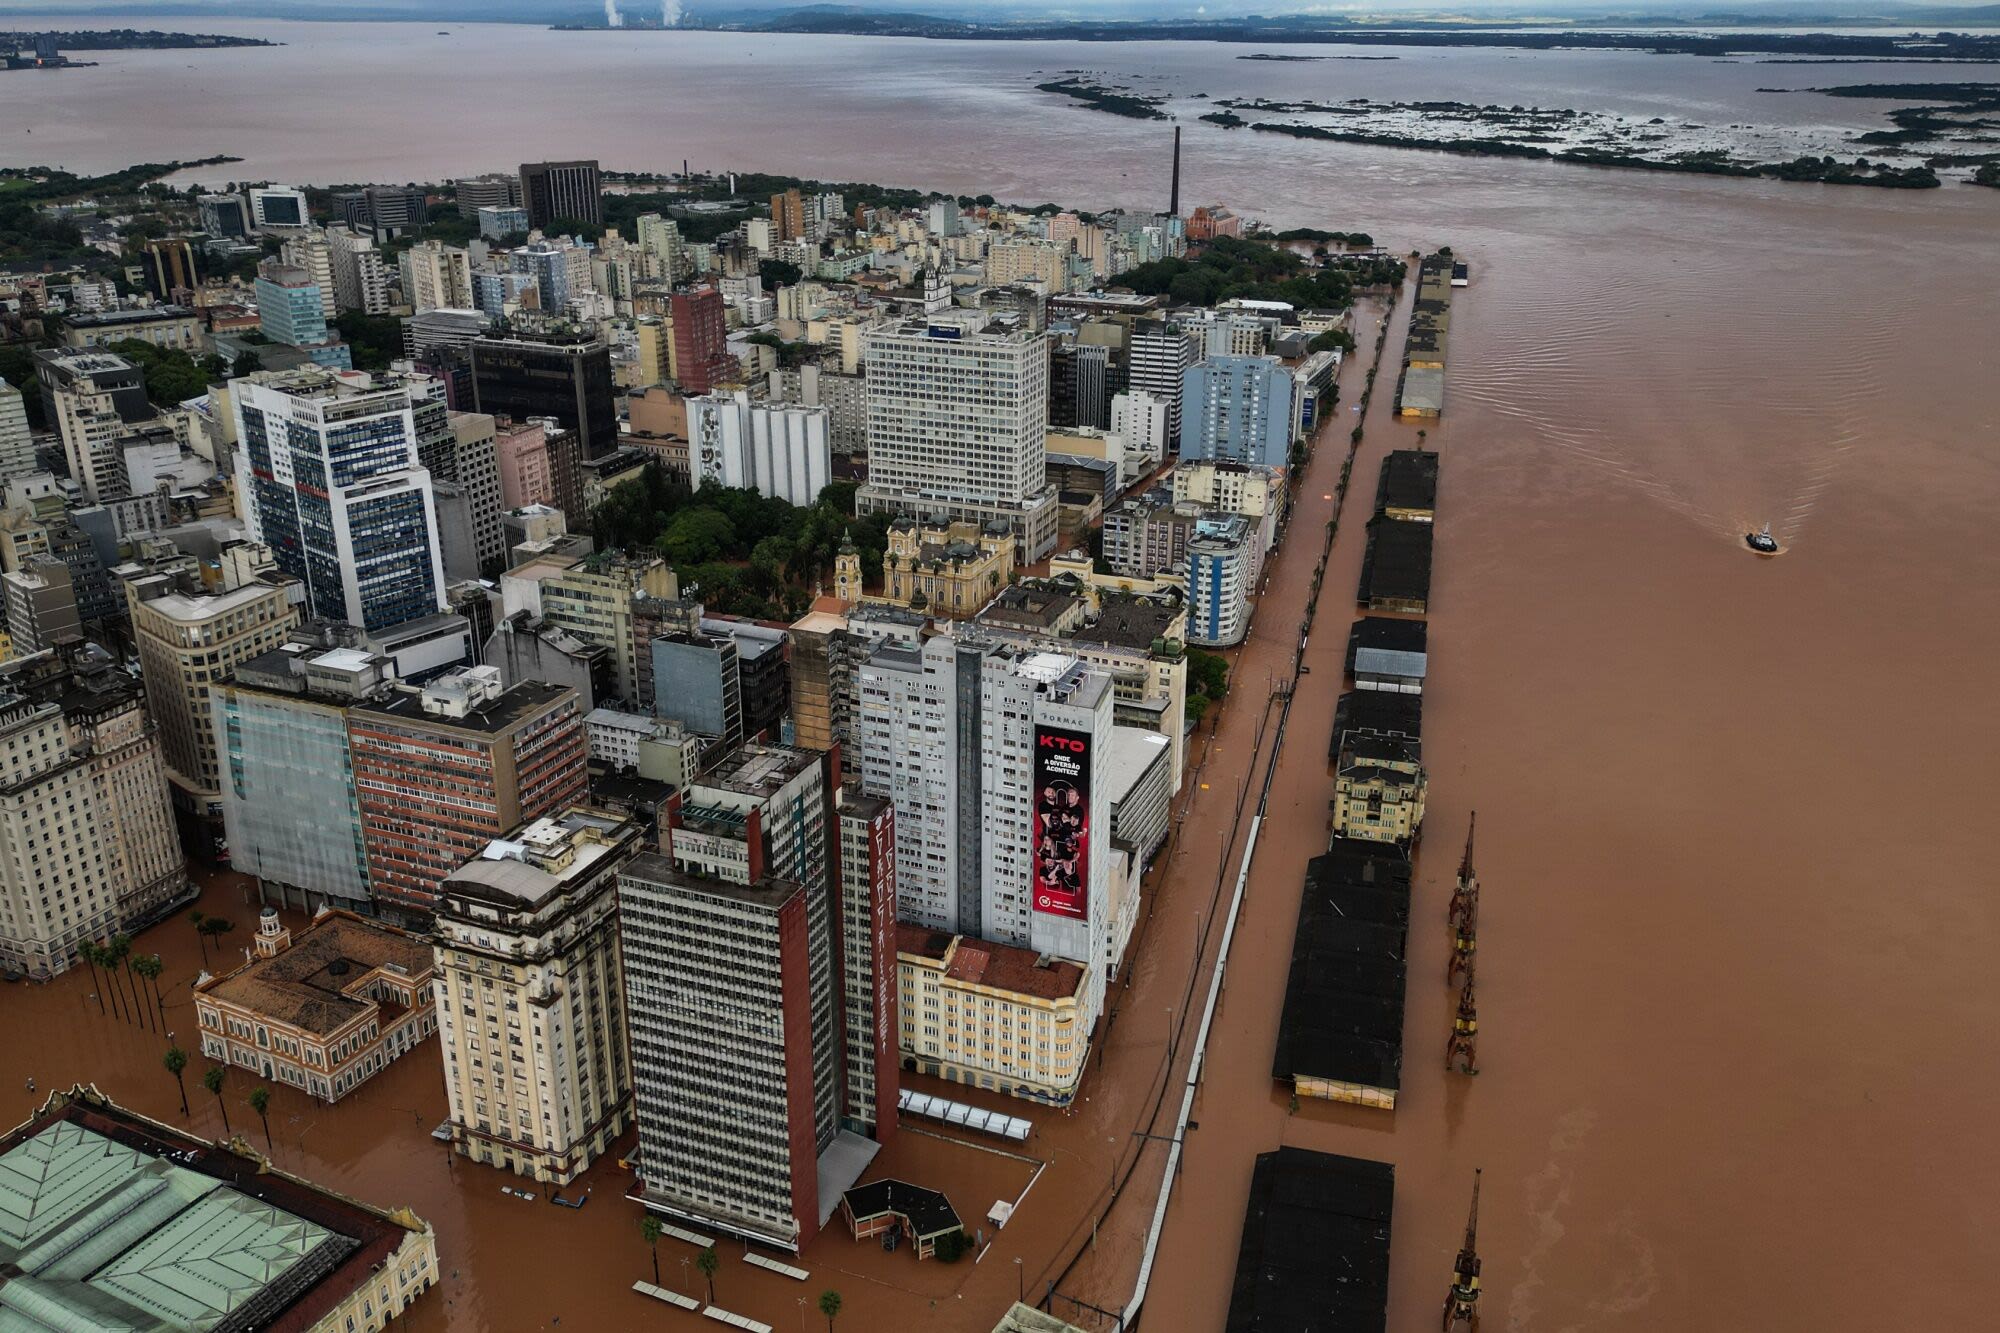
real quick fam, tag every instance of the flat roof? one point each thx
(1411, 636)
(1133, 752)
(1397, 565)
(1409, 480)
(1127, 621)
(1315, 1249)
(1343, 1013)
(509, 707)
(1377, 713)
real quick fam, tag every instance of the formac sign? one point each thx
(1062, 823)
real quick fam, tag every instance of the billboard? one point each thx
(1061, 875)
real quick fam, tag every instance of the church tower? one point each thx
(847, 572)
(937, 293)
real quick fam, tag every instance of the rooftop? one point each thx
(511, 707)
(1124, 621)
(928, 1212)
(1343, 1012)
(1315, 1251)
(1397, 565)
(1004, 967)
(1409, 480)
(544, 857)
(317, 984)
(757, 769)
(111, 1222)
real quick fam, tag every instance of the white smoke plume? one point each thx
(670, 13)
(612, 18)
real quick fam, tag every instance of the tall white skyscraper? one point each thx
(957, 415)
(329, 467)
(778, 449)
(1003, 829)
(17, 444)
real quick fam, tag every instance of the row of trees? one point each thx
(214, 1078)
(138, 999)
(1231, 266)
(709, 1263)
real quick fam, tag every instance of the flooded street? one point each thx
(1735, 1026)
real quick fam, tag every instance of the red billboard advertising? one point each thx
(1062, 822)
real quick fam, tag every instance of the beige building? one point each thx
(592, 599)
(1028, 260)
(948, 571)
(87, 845)
(436, 276)
(1379, 790)
(991, 1016)
(325, 1013)
(532, 990)
(191, 634)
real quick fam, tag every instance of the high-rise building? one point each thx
(1223, 558)
(732, 951)
(442, 770)
(594, 598)
(497, 190)
(776, 449)
(436, 276)
(1238, 408)
(555, 192)
(788, 216)
(521, 373)
(660, 240)
(867, 848)
(17, 441)
(700, 353)
(312, 252)
(225, 215)
(94, 399)
(41, 605)
(1145, 422)
(281, 726)
(360, 279)
(384, 211)
(957, 415)
(696, 682)
(169, 266)
(1161, 352)
(497, 221)
(279, 208)
(337, 491)
(83, 813)
(528, 963)
(987, 749)
(291, 309)
(190, 635)
(942, 218)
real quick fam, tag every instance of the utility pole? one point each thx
(1461, 1302)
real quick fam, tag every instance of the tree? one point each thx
(88, 953)
(195, 918)
(176, 1060)
(777, 273)
(952, 1245)
(121, 954)
(650, 1229)
(246, 363)
(212, 1080)
(708, 1261)
(260, 1102)
(373, 340)
(149, 967)
(217, 927)
(696, 536)
(829, 1305)
(101, 955)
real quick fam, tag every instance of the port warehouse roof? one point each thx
(1343, 1014)
(1409, 480)
(1388, 634)
(1315, 1251)
(1378, 713)
(1397, 566)
(110, 1222)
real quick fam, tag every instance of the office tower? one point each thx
(384, 211)
(696, 682)
(521, 373)
(732, 973)
(1223, 557)
(493, 293)
(593, 600)
(1144, 421)
(225, 215)
(1237, 408)
(942, 218)
(312, 252)
(169, 266)
(360, 278)
(436, 276)
(437, 334)
(1161, 354)
(866, 842)
(443, 769)
(497, 222)
(957, 414)
(17, 441)
(291, 309)
(84, 812)
(548, 264)
(335, 489)
(700, 353)
(279, 208)
(527, 961)
(777, 450)
(281, 725)
(497, 190)
(525, 476)
(41, 605)
(555, 192)
(788, 216)
(94, 399)
(189, 635)
(986, 750)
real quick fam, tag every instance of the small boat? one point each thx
(1763, 543)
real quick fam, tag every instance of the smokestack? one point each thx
(1174, 203)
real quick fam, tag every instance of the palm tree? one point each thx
(829, 1305)
(260, 1102)
(650, 1229)
(88, 953)
(176, 1060)
(121, 960)
(212, 1080)
(218, 927)
(196, 919)
(149, 967)
(708, 1261)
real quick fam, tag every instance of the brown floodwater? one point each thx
(1735, 1019)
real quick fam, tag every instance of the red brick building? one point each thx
(701, 358)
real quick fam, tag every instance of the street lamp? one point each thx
(1020, 1279)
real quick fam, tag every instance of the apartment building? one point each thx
(323, 1013)
(94, 400)
(594, 599)
(443, 769)
(532, 996)
(991, 1016)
